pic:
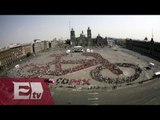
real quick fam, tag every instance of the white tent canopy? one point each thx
(68, 51)
(17, 66)
(151, 64)
(77, 46)
(157, 73)
(88, 50)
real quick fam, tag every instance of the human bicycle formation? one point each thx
(39, 70)
(96, 74)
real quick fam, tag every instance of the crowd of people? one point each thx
(38, 70)
(104, 62)
(34, 70)
(96, 74)
(86, 64)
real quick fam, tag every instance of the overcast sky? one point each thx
(26, 28)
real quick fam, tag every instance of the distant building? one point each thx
(15, 52)
(45, 44)
(10, 55)
(54, 42)
(121, 42)
(82, 40)
(36, 47)
(111, 42)
(149, 48)
(40, 46)
(27, 48)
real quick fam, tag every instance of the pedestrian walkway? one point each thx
(93, 98)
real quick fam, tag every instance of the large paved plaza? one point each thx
(105, 76)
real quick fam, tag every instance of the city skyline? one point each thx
(26, 28)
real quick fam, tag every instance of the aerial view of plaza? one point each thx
(83, 64)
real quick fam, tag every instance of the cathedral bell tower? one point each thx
(72, 37)
(89, 33)
(89, 37)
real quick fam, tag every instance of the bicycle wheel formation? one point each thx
(96, 74)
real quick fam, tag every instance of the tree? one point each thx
(145, 38)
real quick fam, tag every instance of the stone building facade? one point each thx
(149, 48)
(82, 40)
(16, 52)
(27, 48)
(40, 46)
(10, 55)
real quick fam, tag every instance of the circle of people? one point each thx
(96, 75)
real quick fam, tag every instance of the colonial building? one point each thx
(46, 44)
(38, 46)
(111, 42)
(10, 55)
(54, 43)
(82, 40)
(149, 48)
(5, 58)
(121, 42)
(27, 49)
(16, 52)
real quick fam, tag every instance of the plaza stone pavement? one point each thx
(105, 95)
(146, 94)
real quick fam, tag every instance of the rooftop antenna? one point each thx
(152, 32)
(69, 25)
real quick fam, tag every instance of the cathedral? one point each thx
(82, 40)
